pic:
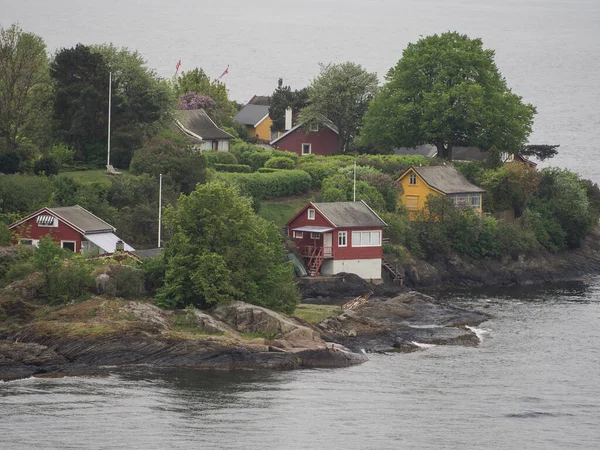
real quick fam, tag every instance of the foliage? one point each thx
(282, 98)
(339, 188)
(280, 162)
(540, 151)
(250, 154)
(181, 165)
(62, 154)
(239, 168)
(393, 165)
(265, 186)
(126, 281)
(23, 194)
(5, 235)
(447, 91)
(318, 171)
(191, 100)
(386, 186)
(221, 251)
(24, 87)
(46, 165)
(340, 94)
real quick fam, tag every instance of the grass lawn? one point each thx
(316, 313)
(282, 209)
(92, 176)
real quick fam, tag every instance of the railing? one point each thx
(309, 250)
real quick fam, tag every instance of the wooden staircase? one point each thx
(397, 275)
(316, 259)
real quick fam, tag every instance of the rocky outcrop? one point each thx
(405, 322)
(83, 337)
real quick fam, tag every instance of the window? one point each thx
(311, 214)
(69, 245)
(315, 235)
(314, 127)
(412, 202)
(297, 234)
(342, 238)
(412, 179)
(306, 149)
(366, 238)
(460, 200)
(475, 201)
(26, 241)
(46, 221)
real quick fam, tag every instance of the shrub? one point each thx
(62, 154)
(386, 186)
(267, 170)
(226, 158)
(126, 281)
(280, 162)
(318, 171)
(283, 154)
(238, 168)
(516, 239)
(250, 154)
(23, 194)
(266, 186)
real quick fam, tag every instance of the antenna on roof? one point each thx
(354, 187)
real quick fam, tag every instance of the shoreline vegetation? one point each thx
(227, 291)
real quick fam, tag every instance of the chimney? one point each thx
(288, 119)
(120, 246)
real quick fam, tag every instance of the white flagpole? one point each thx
(354, 188)
(109, 111)
(159, 207)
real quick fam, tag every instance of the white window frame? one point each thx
(34, 242)
(314, 127)
(473, 197)
(464, 200)
(315, 235)
(412, 179)
(342, 239)
(62, 245)
(309, 149)
(311, 214)
(297, 234)
(361, 235)
(54, 224)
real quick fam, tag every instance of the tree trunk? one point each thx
(444, 151)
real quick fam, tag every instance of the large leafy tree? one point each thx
(341, 95)
(221, 251)
(198, 82)
(282, 98)
(447, 91)
(24, 84)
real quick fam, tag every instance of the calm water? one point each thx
(547, 49)
(532, 383)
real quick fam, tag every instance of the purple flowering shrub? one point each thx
(191, 100)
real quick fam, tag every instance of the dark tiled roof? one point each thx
(350, 214)
(198, 122)
(263, 100)
(426, 150)
(468, 154)
(83, 219)
(446, 179)
(251, 114)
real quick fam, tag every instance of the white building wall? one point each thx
(369, 269)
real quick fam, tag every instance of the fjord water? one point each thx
(532, 383)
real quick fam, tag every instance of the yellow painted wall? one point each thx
(421, 190)
(251, 131)
(263, 130)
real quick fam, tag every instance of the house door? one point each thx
(327, 244)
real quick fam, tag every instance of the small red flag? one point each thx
(178, 65)
(225, 72)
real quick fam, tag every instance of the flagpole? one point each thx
(159, 206)
(354, 187)
(109, 114)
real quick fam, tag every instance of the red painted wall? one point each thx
(31, 230)
(323, 142)
(347, 252)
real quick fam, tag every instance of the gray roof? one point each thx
(447, 179)
(260, 100)
(350, 214)
(83, 219)
(198, 122)
(147, 254)
(426, 150)
(251, 114)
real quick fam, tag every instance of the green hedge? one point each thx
(268, 170)
(238, 168)
(280, 162)
(266, 186)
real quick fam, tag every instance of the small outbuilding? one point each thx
(339, 237)
(72, 227)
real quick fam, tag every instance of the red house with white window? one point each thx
(73, 227)
(339, 237)
(305, 140)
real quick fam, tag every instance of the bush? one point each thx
(10, 162)
(238, 168)
(267, 170)
(250, 154)
(266, 186)
(126, 281)
(516, 239)
(283, 154)
(226, 158)
(318, 171)
(393, 165)
(23, 194)
(280, 162)
(62, 154)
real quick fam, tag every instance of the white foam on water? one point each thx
(479, 332)
(421, 345)
(433, 325)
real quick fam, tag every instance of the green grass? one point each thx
(92, 176)
(316, 313)
(279, 211)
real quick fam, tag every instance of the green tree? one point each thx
(282, 98)
(221, 251)
(197, 81)
(340, 94)
(24, 87)
(447, 91)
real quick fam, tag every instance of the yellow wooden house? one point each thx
(255, 116)
(419, 182)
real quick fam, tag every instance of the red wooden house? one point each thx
(73, 227)
(339, 237)
(318, 139)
